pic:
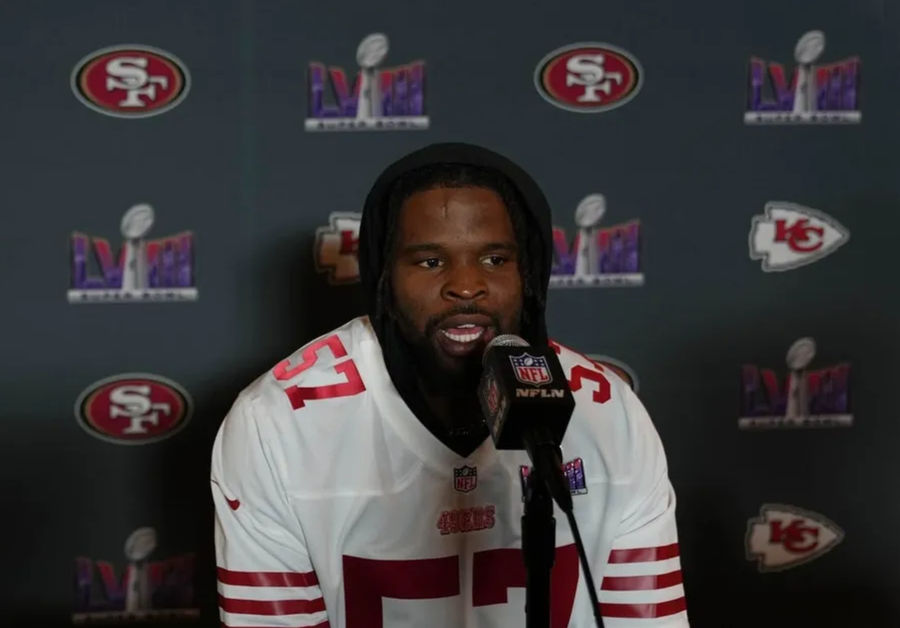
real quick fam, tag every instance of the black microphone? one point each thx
(526, 402)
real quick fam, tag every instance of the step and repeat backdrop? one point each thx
(182, 184)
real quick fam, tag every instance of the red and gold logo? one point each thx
(133, 408)
(588, 77)
(130, 81)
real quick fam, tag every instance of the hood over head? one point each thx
(377, 232)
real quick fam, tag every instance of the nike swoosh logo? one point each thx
(234, 503)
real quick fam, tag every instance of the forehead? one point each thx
(454, 213)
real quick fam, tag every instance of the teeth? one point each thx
(466, 326)
(462, 337)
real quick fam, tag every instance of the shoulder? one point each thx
(313, 371)
(609, 381)
(313, 380)
(608, 415)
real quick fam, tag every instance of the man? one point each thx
(355, 484)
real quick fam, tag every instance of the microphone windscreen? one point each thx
(504, 340)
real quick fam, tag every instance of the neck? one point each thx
(455, 420)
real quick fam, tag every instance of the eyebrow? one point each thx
(427, 247)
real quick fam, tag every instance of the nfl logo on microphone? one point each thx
(530, 369)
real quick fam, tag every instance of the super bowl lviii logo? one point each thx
(786, 536)
(588, 77)
(133, 408)
(827, 93)
(143, 590)
(130, 81)
(789, 235)
(597, 257)
(808, 398)
(161, 269)
(379, 98)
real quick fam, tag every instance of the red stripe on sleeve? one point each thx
(641, 583)
(324, 624)
(267, 578)
(643, 611)
(643, 554)
(271, 607)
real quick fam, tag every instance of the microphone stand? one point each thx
(538, 544)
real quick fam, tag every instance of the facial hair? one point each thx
(436, 378)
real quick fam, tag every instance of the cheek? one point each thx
(412, 296)
(509, 297)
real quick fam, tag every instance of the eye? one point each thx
(431, 262)
(494, 260)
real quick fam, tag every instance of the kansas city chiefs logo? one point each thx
(786, 536)
(788, 236)
(336, 248)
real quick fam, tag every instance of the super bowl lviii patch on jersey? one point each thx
(574, 470)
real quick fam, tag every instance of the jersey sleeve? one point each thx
(642, 584)
(264, 573)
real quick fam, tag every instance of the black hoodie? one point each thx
(536, 253)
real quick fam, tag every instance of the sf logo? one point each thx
(132, 402)
(795, 537)
(797, 235)
(587, 70)
(130, 75)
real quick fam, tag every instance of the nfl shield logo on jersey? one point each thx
(531, 369)
(465, 478)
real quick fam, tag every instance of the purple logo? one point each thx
(574, 470)
(160, 269)
(531, 369)
(138, 588)
(826, 93)
(597, 257)
(807, 398)
(380, 99)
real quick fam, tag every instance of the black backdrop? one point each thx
(233, 164)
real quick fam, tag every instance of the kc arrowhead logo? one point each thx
(336, 248)
(786, 536)
(788, 236)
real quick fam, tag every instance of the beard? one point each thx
(439, 374)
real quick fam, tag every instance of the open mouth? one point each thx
(469, 332)
(463, 334)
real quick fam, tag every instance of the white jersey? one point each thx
(336, 507)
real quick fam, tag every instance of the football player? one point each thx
(355, 483)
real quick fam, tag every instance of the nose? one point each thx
(465, 282)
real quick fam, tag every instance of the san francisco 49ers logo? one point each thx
(133, 408)
(130, 81)
(588, 77)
